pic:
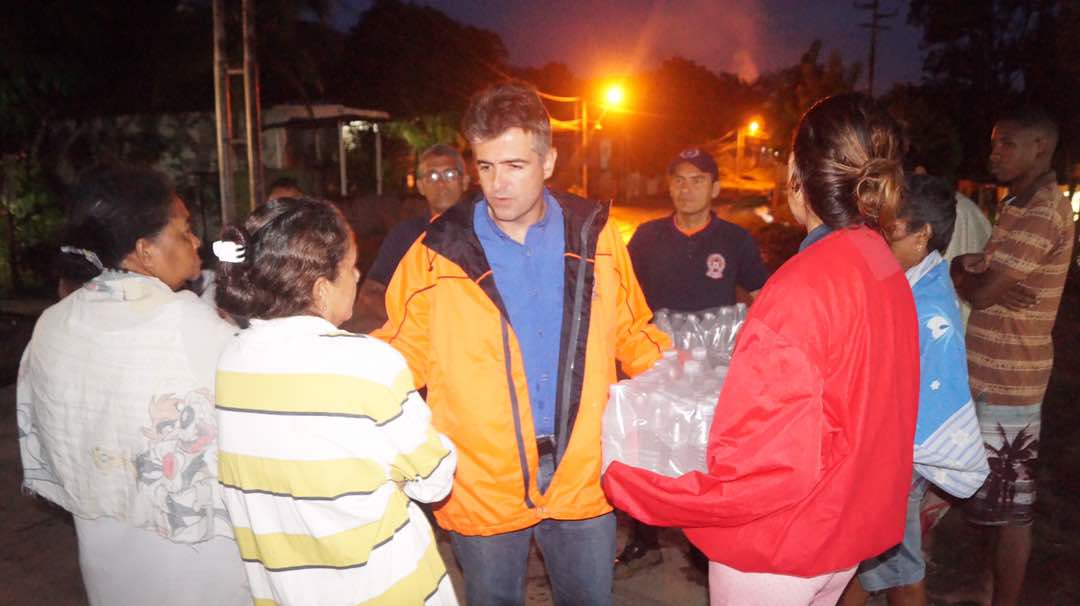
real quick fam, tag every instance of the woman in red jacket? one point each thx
(810, 451)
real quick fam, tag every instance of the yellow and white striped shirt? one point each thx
(318, 429)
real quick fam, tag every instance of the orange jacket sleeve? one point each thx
(408, 300)
(639, 343)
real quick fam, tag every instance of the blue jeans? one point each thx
(901, 565)
(579, 556)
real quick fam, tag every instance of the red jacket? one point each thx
(810, 450)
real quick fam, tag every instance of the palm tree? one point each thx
(1021, 450)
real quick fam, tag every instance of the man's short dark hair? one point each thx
(441, 150)
(284, 183)
(1032, 117)
(506, 105)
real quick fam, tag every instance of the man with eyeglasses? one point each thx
(441, 179)
(689, 261)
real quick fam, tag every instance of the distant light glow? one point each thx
(1075, 204)
(753, 128)
(614, 95)
(764, 214)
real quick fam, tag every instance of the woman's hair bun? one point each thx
(878, 189)
(847, 151)
(288, 243)
(236, 233)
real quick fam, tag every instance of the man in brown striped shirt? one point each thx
(1015, 289)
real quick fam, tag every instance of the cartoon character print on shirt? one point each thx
(173, 470)
(714, 266)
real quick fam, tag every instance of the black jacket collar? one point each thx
(452, 234)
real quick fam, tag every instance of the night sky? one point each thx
(603, 38)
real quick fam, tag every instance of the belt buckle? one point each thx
(545, 445)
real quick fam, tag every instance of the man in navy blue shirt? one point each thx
(693, 260)
(441, 179)
(688, 261)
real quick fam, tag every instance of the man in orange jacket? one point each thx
(512, 309)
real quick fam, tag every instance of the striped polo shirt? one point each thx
(1010, 353)
(323, 440)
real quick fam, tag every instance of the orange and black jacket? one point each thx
(447, 318)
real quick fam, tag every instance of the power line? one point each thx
(875, 26)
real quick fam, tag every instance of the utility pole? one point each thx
(227, 138)
(584, 148)
(875, 26)
(581, 117)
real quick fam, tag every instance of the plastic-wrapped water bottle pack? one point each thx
(660, 420)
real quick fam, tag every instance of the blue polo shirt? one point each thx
(529, 278)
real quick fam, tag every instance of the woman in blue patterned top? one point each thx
(948, 446)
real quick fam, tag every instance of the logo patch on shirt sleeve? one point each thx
(714, 266)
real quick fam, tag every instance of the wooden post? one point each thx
(378, 160)
(584, 148)
(223, 116)
(343, 177)
(252, 107)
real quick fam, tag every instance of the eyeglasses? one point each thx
(448, 175)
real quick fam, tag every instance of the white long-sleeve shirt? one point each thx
(115, 407)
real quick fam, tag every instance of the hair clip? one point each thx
(89, 255)
(228, 251)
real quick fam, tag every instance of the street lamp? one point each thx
(752, 129)
(614, 95)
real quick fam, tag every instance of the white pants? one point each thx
(728, 586)
(126, 566)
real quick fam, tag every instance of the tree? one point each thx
(992, 54)
(411, 60)
(931, 132)
(298, 50)
(793, 90)
(555, 79)
(683, 103)
(422, 132)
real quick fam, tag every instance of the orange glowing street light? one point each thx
(614, 95)
(753, 129)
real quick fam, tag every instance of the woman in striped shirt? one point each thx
(323, 438)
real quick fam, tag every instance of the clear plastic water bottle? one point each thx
(694, 336)
(709, 325)
(676, 319)
(652, 449)
(699, 444)
(662, 321)
(617, 419)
